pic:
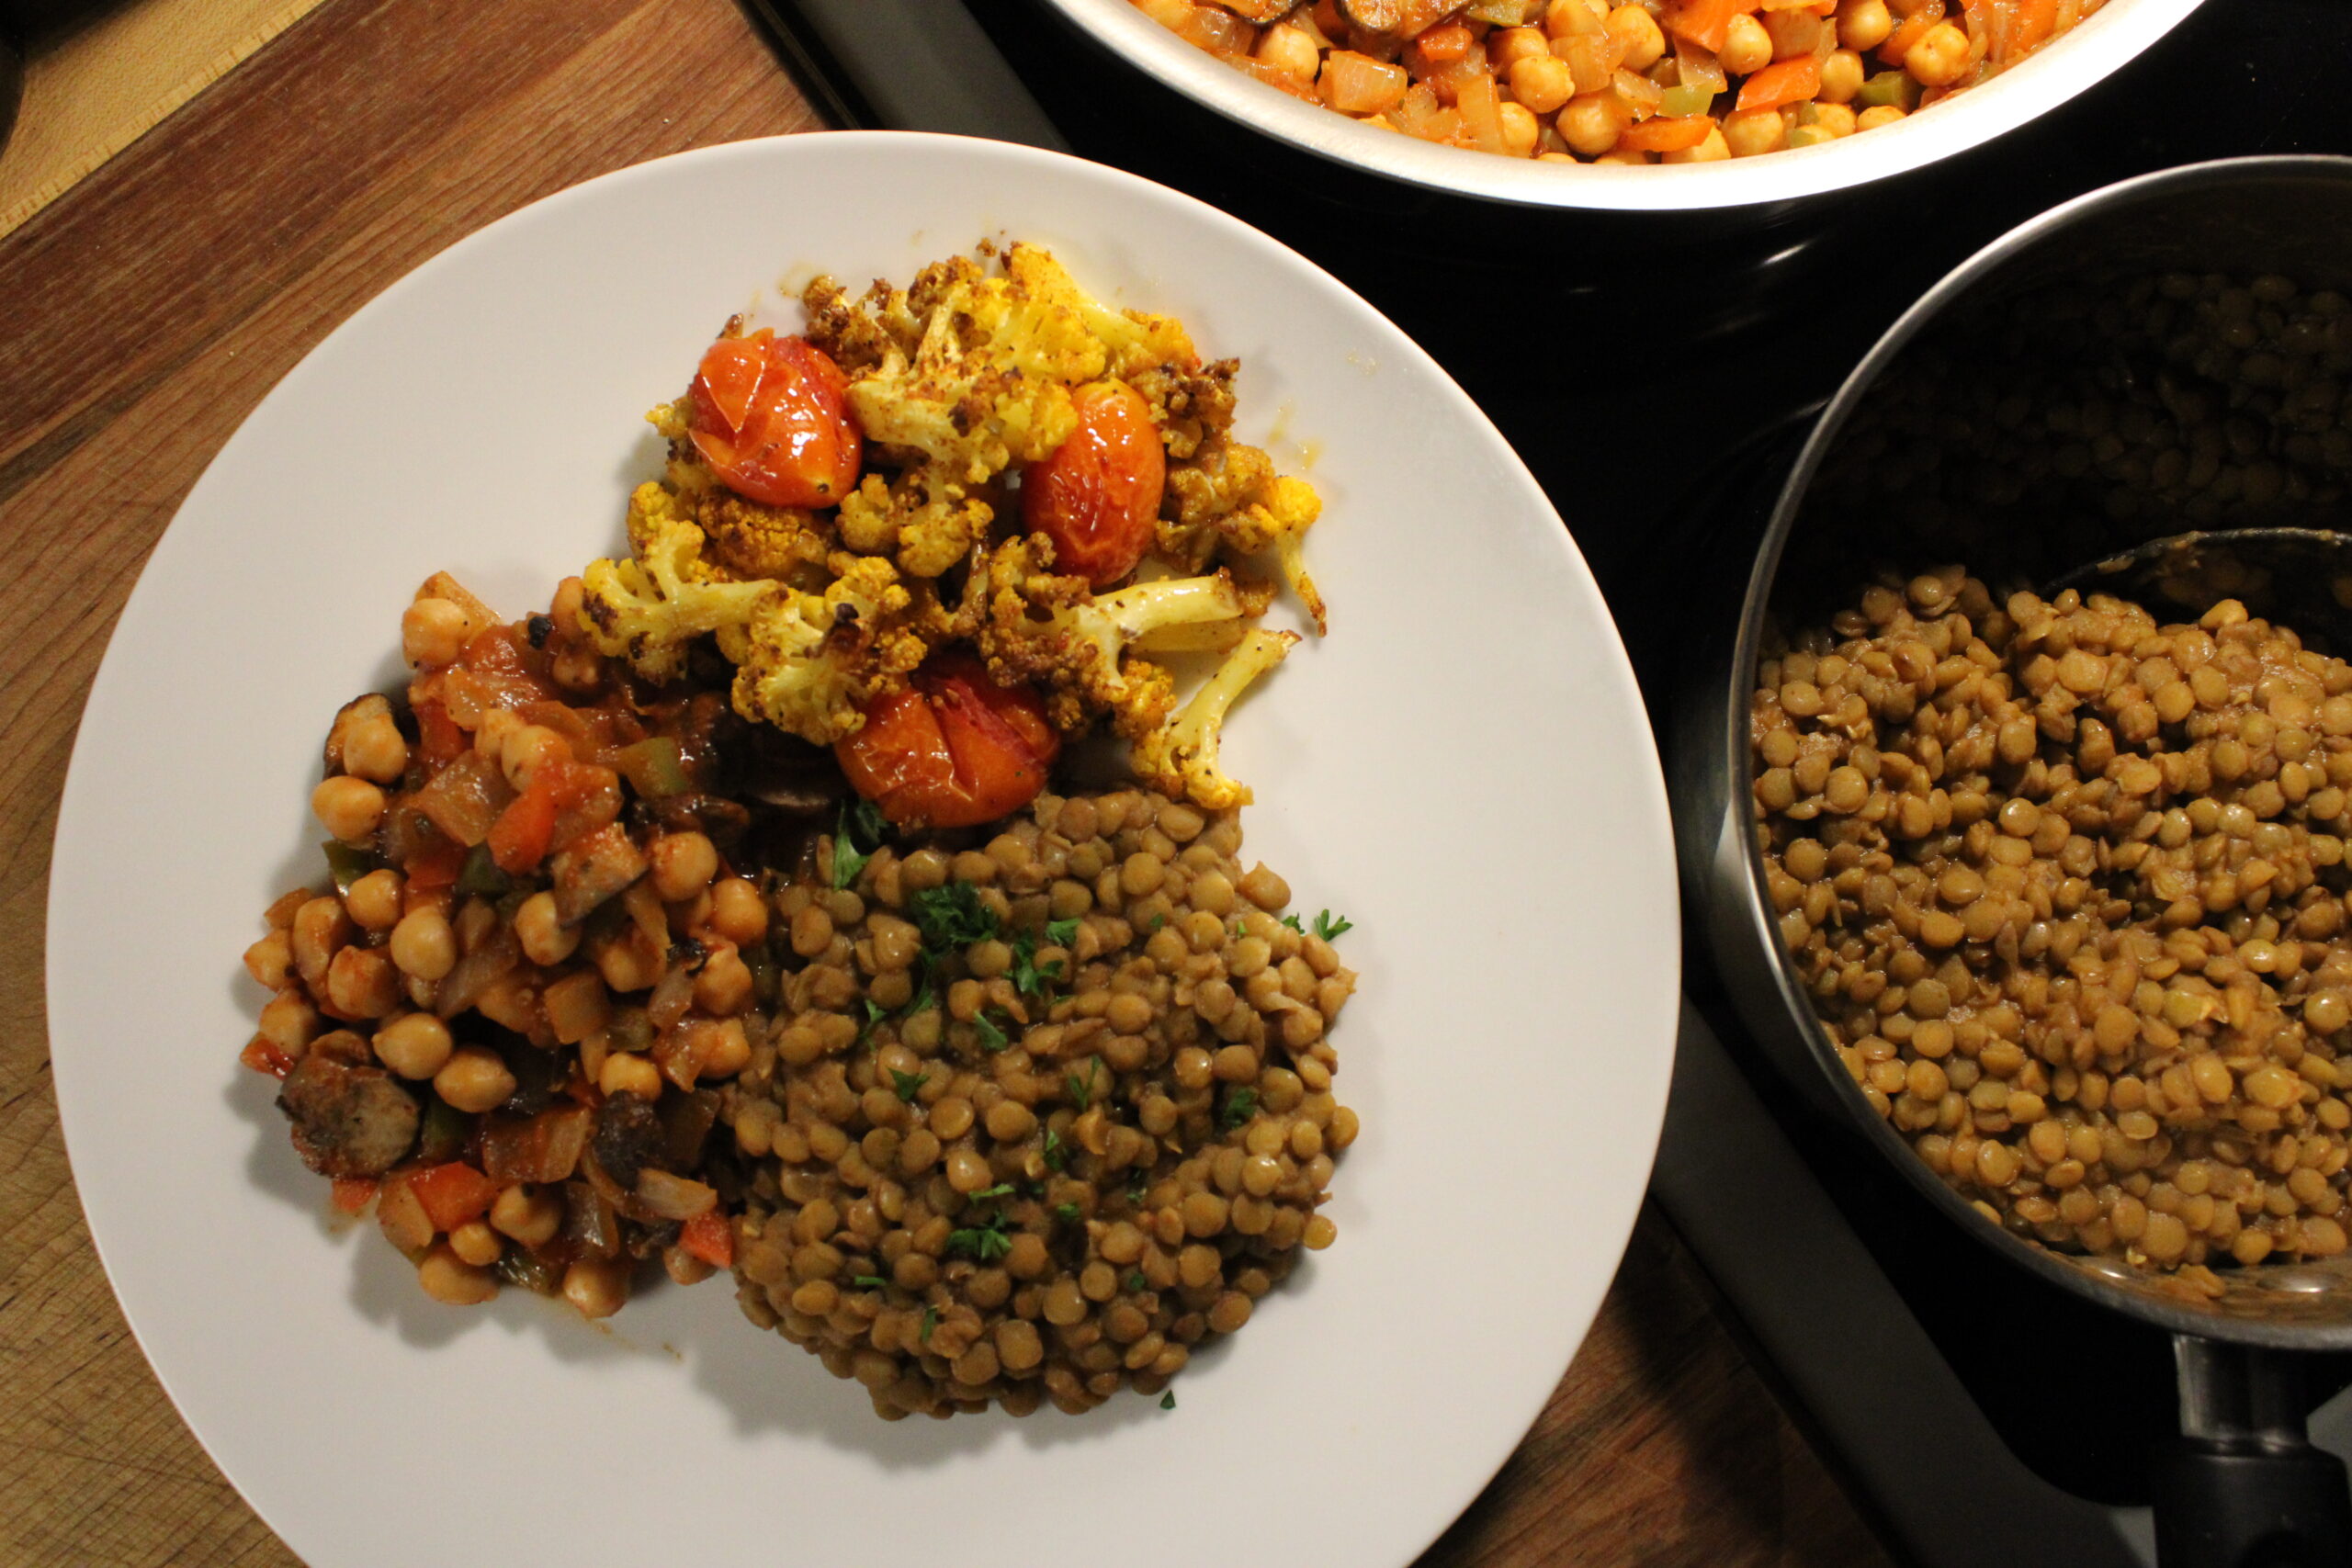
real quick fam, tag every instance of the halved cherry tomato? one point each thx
(1098, 496)
(452, 1193)
(951, 750)
(709, 1237)
(770, 415)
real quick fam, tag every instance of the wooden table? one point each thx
(146, 312)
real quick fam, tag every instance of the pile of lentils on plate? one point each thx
(1104, 1148)
(2067, 888)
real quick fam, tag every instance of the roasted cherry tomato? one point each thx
(951, 750)
(1098, 496)
(770, 416)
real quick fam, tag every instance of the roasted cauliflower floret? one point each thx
(928, 534)
(1179, 756)
(747, 539)
(986, 384)
(648, 608)
(808, 662)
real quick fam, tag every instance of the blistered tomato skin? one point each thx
(1097, 497)
(953, 751)
(770, 416)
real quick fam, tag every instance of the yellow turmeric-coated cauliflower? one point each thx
(806, 660)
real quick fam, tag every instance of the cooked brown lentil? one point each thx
(998, 1159)
(2067, 888)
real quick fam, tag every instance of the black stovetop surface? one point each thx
(1627, 358)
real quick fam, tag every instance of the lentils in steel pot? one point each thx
(2067, 888)
(1039, 1117)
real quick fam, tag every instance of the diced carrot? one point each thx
(354, 1193)
(439, 739)
(1707, 23)
(2034, 21)
(264, 1058)
(1437, 48)
(1783, 82)
(1357, 84)
(1667, 134)
(1898, 44)
(524, 831)
(709, 1237)
(452, 1193)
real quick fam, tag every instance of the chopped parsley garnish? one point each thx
(930, 1322)
(987, 1242)
(922, 998)
(952, 917)
(1292, 922)
(1082, 1089)
(1168, 1400)
(1001, 1189)
(1330, 929)
(909, 1085)
(1157, 921)
(992, 1039)
(1066, 1212)
(1056, 1154)
(873, 1015)
(866, 1281)
(1240, 1106)
(848, 860)
(1138, 1184)
(1061, 934)
(1137, 1283)
(1029, 976)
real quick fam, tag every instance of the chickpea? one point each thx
(1543, 83)
(1713, 150)
(627, 1073)
(1841, 77)
(415, 1044)
(422, 945)
(724, 987)
(475, 1243)
(1792, 32)
(1747, 46)
(684, 864)
(1520, 129)
(1574, 18)
(374, 901)
(1506, 46)
(374, 749)
(546, 940)
(1589, 125)
(435, 632)
(723, 1049)
(1751, 131)
(1634, 31)
(1836, 120)
(526, 748)
(474, 1080)
(1878, 115)
(596, 1288)
(347, 807)
(1863, 25)
(1289, 50)
(268, 960)
(530, 1215)
(1939, 57)
(451, 1280)
(737, 912)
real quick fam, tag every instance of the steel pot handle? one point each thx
(2243, 1487)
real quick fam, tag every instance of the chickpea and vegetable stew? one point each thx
(727, 914)
(1622, 81)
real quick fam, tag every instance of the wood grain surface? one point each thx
(146, 312)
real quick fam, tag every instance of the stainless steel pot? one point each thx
(2243, 1473)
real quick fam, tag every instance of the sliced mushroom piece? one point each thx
(592, 869)
(348, 1121)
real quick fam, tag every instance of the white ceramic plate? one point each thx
(1462, 768)
(2085, 55)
